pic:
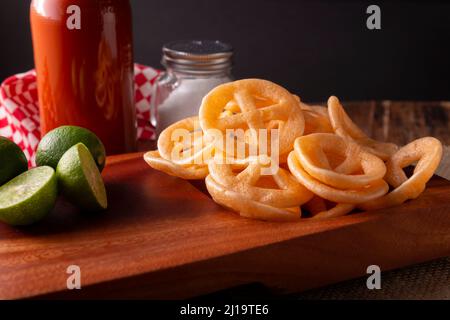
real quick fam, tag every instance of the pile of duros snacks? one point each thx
(307, 157)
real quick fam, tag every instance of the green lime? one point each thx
(29, 197)
(80, 179)
(55, 143)
(12, 160)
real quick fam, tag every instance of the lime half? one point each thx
(29, 197)
(80, 179)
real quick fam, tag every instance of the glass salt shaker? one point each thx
(193, 69)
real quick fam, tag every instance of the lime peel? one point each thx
(12, 160)
(55, 143)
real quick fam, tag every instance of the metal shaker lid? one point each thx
(198, 56)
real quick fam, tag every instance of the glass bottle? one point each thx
(193, 68)
(84, 63)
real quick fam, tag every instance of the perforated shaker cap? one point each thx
(198, 56)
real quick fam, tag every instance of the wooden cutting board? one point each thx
(164, 238)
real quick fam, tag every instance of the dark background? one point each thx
(314, 48)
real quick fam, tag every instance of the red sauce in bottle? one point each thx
(83, 54)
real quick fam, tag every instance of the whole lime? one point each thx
(29, 197)
(80, 180)
(12, 160)
(55, 143)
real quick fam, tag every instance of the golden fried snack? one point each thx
(312, 151)
(184, 143)
(351, 196)
(329, 166)
(318, 208)
(189, 172)
(428, 152)
(341, 209)
(253, 104)
(279, 190)
(322, 111)
(315, 205)
(346, 128)
(247, 207)
(316, 119)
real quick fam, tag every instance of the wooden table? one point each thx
(163, 238)
(401, 121)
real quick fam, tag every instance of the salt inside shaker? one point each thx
(193, 68)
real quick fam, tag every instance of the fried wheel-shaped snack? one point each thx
(320, 162)
(341, 209)
(247, 207)
(188, 172)
(315, 205)
(253, 104)
(312, 151)
(318, 208)
(316, 119)
(346, 128)
(428, 152)
(184, 143)
(351, 196)
(279, 190)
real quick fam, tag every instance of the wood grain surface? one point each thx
(402, 121)
(164, 238)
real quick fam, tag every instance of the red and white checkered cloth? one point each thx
(19, 108)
